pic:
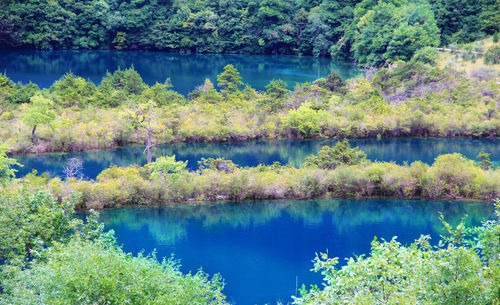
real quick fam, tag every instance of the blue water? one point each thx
(264, 249)
(186, 71)
(267, 152)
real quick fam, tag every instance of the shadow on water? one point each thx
(262, 248)
(267, 152)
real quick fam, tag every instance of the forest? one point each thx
(371, 32)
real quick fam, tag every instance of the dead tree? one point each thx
(144, 116)
(73, 168)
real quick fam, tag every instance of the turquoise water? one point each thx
(267, 152)
(264, 249)
(185, 70)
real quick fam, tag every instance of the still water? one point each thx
(263, 250)
(186, 71)
(266, 152)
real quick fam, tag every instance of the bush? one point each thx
(98, 272)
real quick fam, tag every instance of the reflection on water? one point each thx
(267, 152)
(185, 70)
(262, 248)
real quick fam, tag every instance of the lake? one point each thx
(267, 152)
(186, 71)
(263, 250)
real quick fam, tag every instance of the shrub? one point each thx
(332, 157)
(98, 272)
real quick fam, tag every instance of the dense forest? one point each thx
(369, 31)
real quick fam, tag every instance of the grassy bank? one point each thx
(410, 99)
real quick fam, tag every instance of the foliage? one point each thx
(219, 164)
(390, 31)
(314, 28)
(92, 272)
(484, 160)
(229, 80)
(6, 171)
(305, 120)
(492, 56)
(427, 55)
(40, 220)
(332, 157)
(276, 92)
(39, 112)
(332, 82)
(167, 168)
(457, 271)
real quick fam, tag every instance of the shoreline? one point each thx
(259, 138)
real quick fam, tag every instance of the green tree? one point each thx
(39, 112)
(167, 168)
(229, 80)
(484, 160)
(333, 82)
(390, 30)
(332, 157)
(276, 92)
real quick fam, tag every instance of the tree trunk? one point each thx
(33, 136)
(149, 141)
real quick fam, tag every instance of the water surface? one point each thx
(267, 152)
(186, 71)
(264, 250)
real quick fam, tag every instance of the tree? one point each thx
(39, 112)
(276, 92)
(333, 82)
(332, 157)
(167, 169)
(484, 160)
(390, 30)
(145, 116)
(74, 168)
(6, 171)
(229, 80)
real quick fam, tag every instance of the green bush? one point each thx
(98, 272)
